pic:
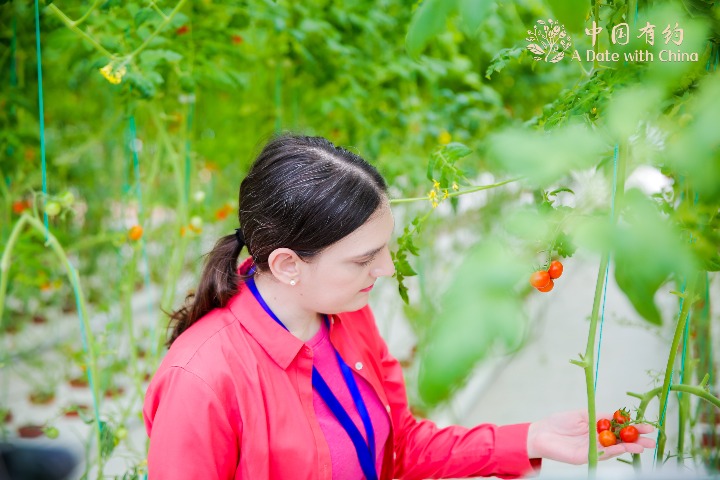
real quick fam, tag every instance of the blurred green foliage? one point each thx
(430, 92)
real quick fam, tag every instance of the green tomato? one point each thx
(51, 432)
(67, 199)
(121, 433)
(52, 208)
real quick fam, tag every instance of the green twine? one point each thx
(41, 119)
(83, 335)
(278, 98)
(141, 215)
(72, 272)
(607, 267)
(188, 131)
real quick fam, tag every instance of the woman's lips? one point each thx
(368, 288)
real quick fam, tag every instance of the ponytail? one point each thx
(217, 285)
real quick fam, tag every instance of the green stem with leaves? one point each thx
(52, 242)
(679, 328)
(699, 391)
(73, 26)
(454, 194)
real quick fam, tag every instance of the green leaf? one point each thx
(429, 20)
(502, 58)
(150, 58)
(648, 250)
(472, 14)
(571, 13)
(545, 157)
(479, 313)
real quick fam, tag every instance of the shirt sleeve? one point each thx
(190, 434)
(423, 450)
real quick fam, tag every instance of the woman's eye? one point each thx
(365, 263)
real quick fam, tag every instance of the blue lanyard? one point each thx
(365, 450)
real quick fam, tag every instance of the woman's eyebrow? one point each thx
(369, 253)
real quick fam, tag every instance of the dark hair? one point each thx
(302, 193)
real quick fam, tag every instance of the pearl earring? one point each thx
(293, 282)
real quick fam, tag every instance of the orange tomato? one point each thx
(135, 233)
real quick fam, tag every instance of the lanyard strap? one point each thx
(365, 450)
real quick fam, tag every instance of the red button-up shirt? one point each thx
(233, 399)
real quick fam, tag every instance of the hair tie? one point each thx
(239, 236)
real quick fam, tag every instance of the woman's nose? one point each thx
(385, 266)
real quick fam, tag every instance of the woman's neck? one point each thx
(302, 323)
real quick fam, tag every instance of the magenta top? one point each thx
(344, 460)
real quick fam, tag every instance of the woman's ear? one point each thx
(284, 264)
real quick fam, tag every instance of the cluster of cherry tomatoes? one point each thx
(543, 279)
(609, 431)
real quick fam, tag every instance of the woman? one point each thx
(276, 369)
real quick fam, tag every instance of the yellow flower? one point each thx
(434, 204)
(455, 186)
(432, 195)
(113, 75)
(445, 194)
(444, 138)
(436, 184)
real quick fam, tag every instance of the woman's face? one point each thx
(340, 278)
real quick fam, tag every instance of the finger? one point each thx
(644, 427)
(634, 447)
(606, 453)
(646, 442)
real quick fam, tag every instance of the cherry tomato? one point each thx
(547, 287)
(556, 269)
(52, 208)
(607, 438)
(135, 233)
(603, 424)
(629, 434)
(540, 279)
(20, 206)
(621, 416)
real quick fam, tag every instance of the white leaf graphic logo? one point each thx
(535, 48)
(548, 41)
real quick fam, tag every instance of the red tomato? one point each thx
(547, 287)
(621, 416)
(540, 279)
(629, 434)
(20, 206)
(556, 269)
(607, 438)
(603, 424)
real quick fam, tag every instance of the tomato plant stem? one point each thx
(53, 243)
(454, 194)
(690, 293)
(588, 363)
(72, 26)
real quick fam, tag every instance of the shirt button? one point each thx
(358, 366)
(307, 350)
(387, 407)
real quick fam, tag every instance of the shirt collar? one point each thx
(281, 345)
